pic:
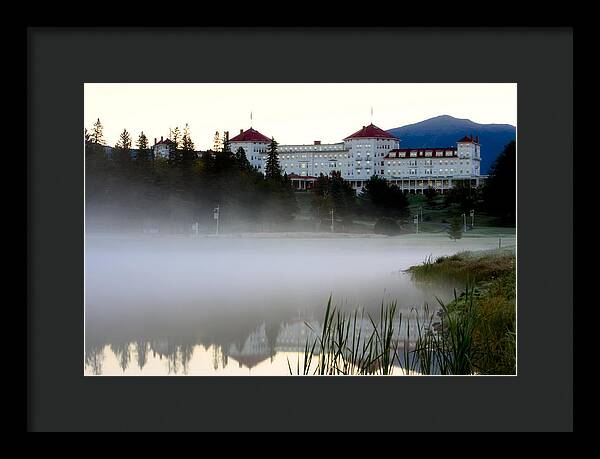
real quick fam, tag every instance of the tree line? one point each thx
(126, 190)
(183, 188)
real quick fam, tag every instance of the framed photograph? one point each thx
(309, 214)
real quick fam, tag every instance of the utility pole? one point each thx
(464, 222)
(332, 220)
(416, 221)
(216, 217)
(472, 218)
(421, 210)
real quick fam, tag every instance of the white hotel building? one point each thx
(368, 152)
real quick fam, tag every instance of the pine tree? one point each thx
(124, 140)
(97, 135)
(455, 230)
(226, 145)
(187, 146)
(122, 150)
(499, 190)
(272, 168)
(242, 159)
(175, 137)
(142, 142)
(87, 136)
(143, 150)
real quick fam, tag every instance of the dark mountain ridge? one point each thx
(445, 130)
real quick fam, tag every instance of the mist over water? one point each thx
(238, 305)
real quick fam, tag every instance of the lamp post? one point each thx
(416, 221)
(332, 220)
(464, 222)
(472, 218)
(216, 217)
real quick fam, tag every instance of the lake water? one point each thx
(240, 305)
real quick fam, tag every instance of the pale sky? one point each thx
(293, 113)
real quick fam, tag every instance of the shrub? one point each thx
(386, 225)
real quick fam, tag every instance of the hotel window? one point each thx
(413, 154)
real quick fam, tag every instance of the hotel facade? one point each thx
(368, 152)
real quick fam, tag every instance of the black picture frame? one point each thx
(60, 398)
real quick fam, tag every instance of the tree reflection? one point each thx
(186, 351)
(121, 351)
(141, 348)
(272, 333)
(94, 357)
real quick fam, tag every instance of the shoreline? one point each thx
(509, 234)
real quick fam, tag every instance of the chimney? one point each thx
(154, 140)
(226, 135)
(161, 138)
(317, 142)
(241, 131)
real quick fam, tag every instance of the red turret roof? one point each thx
(251, 135)
(166, 141)
(469, 139)
(371, 131)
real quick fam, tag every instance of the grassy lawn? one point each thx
(436, 218)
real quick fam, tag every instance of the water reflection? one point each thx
(175, 355)
(238, 307)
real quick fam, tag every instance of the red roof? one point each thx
(251, 135)
(371, 131)
(166, 141)
(469, 139)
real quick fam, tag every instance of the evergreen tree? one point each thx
(124, 140)
(122, 150)
(142, 142)
(335, 193)
(499, 191)
(242, 159)
(175, 137)
(272, 168)
(143, 150)
(226, 145)
(385, 199)
(87, 136)
(455, 230)
(462, 194)
(430, 195)
(97, 135)
(187, 146)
